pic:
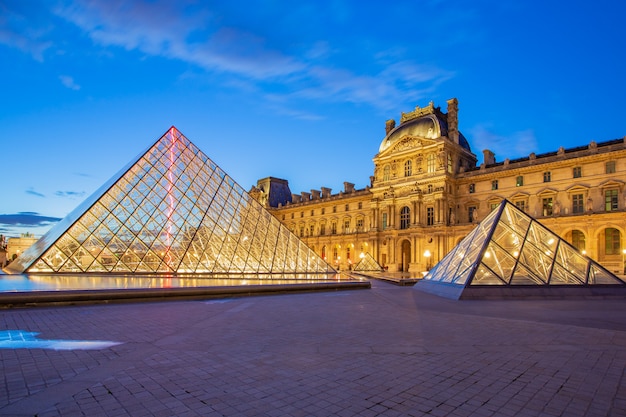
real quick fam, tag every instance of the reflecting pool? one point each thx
(70, 282)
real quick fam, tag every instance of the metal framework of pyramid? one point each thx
(511, 250)
(368, 263)
(171, 210)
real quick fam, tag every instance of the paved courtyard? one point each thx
(389, 350)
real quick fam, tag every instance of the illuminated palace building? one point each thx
(427, 193)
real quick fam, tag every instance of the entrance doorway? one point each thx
(406, 255)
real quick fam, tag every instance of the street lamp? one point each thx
(427, 256)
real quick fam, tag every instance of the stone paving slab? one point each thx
(390, 350)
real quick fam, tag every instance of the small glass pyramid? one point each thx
(172, 210)
(510, 248)
(368, 263)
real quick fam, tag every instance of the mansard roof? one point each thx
(427, 122)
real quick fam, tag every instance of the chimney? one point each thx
(348, 187)
(305, 196)
(489, 157)
(453, 120)
(326, 192)
(389, 126)
(315, 194)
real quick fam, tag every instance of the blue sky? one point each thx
(296, 90)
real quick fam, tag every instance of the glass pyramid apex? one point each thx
(170, 210)
(510, 249)
(368, 263)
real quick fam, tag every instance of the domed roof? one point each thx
(430, 126)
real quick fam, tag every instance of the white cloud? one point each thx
(514, 145)
(186, 32)
(17, 30)
(68, 82)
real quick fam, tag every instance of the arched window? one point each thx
(430, 163)
(324, 252)
(408, 168)
(386, 173)
(405, 218)
(612, 241)
(578, 240)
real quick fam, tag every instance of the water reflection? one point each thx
(69, 282)
(19, 339)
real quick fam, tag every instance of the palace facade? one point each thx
(428, 192)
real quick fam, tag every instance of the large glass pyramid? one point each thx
(511, 249)
(171, 210)
(368, 263)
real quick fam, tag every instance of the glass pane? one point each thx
(522, 276)
(484, 276)
(598, 275)
(499, 261)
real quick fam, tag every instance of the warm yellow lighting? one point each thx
(487, 255)
(427, 253)
(551, 241)
(362, 255)
(516, 253)
(584, 252)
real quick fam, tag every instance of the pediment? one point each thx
(577, 187)
(519, 196)
(547, 191)
(612, 183)
(409, 143)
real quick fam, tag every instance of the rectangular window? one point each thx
(430, 216)
(494, 206)
(322, 229)
(292, 215)
(359, 224)
(430, 163)
(612, 241)
(384, 221)
(301, 231)
(333, 228)
(360, 205)
(323, 210)
(311, 230)
(578, 172)
(547, 176)
(347, 207)
(494, 184)
(610, 167)
(521, 204)
(578, 204)
(578, 240)
(471, 213)
(472, 188)
(301, 214)
(610, 200)
(312, 212)
(519, 181)
(547, 206)
(346, 226)
(334, 209)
